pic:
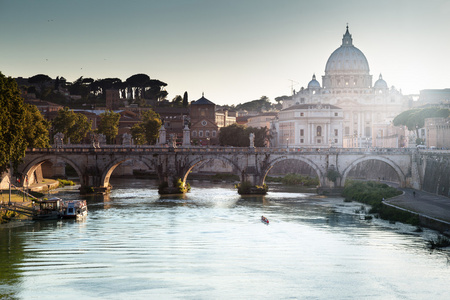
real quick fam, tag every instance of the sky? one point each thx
(233, 51)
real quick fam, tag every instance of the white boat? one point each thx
(72, 209)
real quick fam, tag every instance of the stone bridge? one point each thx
(94, 166)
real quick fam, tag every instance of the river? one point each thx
(211, 244)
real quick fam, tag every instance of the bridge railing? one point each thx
(214, 149)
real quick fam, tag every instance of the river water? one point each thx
(211, 244)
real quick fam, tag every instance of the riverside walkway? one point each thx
(428, 205)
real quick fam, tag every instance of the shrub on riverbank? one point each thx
(372, 193)
(225, 177)
(63, 182)
(6, 216)
(439, 242)
(295, 179)
(246, 188)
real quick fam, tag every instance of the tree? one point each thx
(415, 118)
(73, 125)
(43, 82)
(185, 99)
(138, 134)
(109, 125)
(151, 123)
(36, 128)
(238, 136)
(138, 82)
(263, 104)
(147, 131)
(12, 120)
(177, 101)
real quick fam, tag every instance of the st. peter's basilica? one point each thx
(345, 111)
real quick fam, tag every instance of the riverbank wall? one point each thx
(425, 220)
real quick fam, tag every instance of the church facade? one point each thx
(346, 110)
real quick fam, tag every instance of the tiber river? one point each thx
(211, 244)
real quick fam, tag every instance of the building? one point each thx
(308, 125)
(435, 97)
(437, 133)
(347, 84)
(206, 122)
(173, 119)
(262, 120)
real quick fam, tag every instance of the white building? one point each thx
(308, 125)
(347, 84)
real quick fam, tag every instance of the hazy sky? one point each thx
(233, 51)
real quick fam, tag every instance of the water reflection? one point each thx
(138, 244)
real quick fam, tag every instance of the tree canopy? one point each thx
(109, 125)
(36, 128)
(147, 131)
(73, 125)
(263, 104)
(415, 118)
(12, 124)
(238, 136)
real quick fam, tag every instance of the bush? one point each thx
(63, 182)
(297, 179)
(372, 193)
(439, 242)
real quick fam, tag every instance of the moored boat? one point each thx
(72, 209)
(50, 209)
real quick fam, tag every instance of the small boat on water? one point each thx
(72, 209)
(50, 209)
(56, 208)
(264, 220)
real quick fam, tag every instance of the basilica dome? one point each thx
(380, 83)
(313, 83)
(347, 59)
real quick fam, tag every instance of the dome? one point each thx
(313, 83)
(347, 59)
(380, 83)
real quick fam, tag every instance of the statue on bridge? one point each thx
(126, 139)
(252, 140)
(59, 140)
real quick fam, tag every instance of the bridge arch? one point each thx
(34, 164)
(397, 169)
(109, 169)
(308, 161)
(191, 164)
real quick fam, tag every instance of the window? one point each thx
(202, 113)
(214, 133)
(335, 114)
(301, 141)
(319, 131)
(302, 132)
(200, 133)
(336, 132)
(207, 133)
(319, 141)
(335, 141)
(302, 114)
(194, 133)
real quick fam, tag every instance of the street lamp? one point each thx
(287, 142)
